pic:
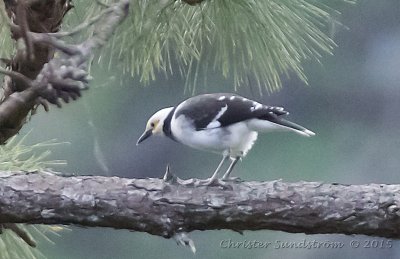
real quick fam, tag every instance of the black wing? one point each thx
(223, 109)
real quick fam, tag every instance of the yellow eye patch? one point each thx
(153, 124)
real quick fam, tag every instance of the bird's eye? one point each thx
(152, 124)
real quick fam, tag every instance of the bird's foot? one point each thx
(232, 179)
(209, 181)
(168, 176)
(214, 182)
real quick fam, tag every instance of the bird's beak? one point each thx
(144, 136)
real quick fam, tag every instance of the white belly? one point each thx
(235, 140)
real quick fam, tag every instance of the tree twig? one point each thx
(16, 76)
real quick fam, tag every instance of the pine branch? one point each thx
(174, 207)
(247, 42)
(37, 76)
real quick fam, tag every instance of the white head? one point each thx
(155, 124)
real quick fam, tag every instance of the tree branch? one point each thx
(169, 208)
(37, 76)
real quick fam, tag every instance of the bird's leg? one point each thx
(214, 179)
(215, 174)
(230, 168)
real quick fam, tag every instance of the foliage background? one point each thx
(352, 103)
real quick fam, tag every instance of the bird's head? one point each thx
(155, 124)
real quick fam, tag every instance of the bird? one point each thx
(223, 123)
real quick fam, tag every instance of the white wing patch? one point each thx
(221, 112)
(258, 106)
(221, 98)
(215, 123)
(232, 98)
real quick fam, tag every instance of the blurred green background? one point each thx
(351, 103)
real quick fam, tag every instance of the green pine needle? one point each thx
(257, 41)
(16, 156)
(245, 41)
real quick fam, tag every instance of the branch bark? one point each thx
(168, 208)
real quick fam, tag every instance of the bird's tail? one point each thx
(279, 124)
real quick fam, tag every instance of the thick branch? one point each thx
(169, 208)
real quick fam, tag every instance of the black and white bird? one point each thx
(224, 123)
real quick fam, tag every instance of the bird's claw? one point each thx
(208, 182)
(232, 179)
(188, 182)
(214, 182)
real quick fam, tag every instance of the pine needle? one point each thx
(260, 40)
(17, 156)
